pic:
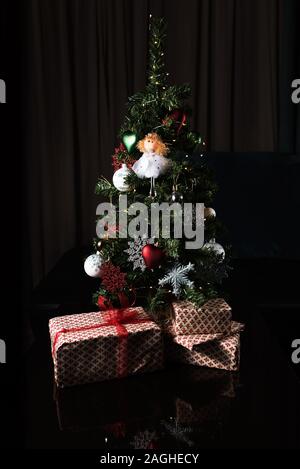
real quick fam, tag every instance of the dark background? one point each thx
(81, 61)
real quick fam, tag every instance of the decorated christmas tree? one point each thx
(160, 160)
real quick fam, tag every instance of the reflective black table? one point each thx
(178, 408)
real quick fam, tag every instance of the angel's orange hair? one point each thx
(160, 147)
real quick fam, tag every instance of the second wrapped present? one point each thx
(213, 317)
(98, 346)
(210, 350)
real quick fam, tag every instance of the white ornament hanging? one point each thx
(151, 165)
(217, 248)
(153, 162)
(119, 178)
(92, 265)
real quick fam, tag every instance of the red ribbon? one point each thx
(178, 117)
(104, 304)
(117, 318)
(124, 300)
(183, 122)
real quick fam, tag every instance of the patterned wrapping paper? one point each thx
(208, 350)
(86, 348)
(213, 317)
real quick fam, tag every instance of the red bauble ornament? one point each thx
(104, 303)
(152, 256)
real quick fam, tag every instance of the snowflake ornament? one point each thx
(177, 431)
(177, 278)
(144, 440)
(134, 252)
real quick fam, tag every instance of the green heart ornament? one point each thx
(129, 139)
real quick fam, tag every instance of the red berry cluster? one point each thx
(113, 280)
(122, 156)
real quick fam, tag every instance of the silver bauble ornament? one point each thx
(119, 178)
(176, 196)
(211, 245)
(92, 265)
(209, 212)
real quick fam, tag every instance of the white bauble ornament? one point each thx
(211, 245)
(209, 212)
(119, 178)
(92, 265)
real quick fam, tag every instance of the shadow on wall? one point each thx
(259, 202)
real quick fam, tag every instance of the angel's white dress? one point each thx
(151, 165)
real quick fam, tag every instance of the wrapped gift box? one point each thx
(99, 346)
(213, 317)
(210, 350)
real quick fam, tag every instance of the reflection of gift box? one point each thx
(215, 410)
(199, 385)
(104, 345)
(210, 350)
(213, 317)
(115, 407)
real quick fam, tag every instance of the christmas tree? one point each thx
(146, 270)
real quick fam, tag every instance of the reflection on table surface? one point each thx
(179, 407)
(174, 407)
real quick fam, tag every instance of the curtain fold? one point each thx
(84, 58)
